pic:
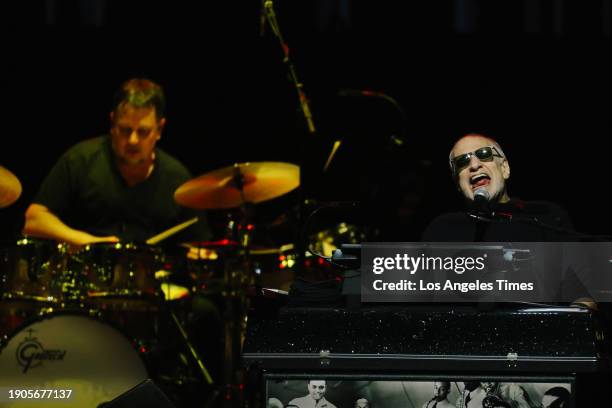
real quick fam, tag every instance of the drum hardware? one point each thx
(170, 294)
(238, 186)
(194, 354)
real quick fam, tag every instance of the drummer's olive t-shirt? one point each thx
(87, 192)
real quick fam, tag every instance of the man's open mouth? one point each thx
(479, 180)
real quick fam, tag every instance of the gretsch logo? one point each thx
(31, 353)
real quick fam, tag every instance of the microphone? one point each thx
(481, 212)
(481, 201)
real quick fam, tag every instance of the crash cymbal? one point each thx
(239, 184)
(10, 188)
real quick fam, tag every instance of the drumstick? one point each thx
(171, 231)
(332, 154)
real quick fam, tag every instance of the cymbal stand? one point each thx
(194, 354)
(236, 302)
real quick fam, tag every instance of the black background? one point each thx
(535, 79)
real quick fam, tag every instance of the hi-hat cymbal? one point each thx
(10, 188)
(241, 183)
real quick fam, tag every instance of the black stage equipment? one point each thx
(145, 394)
(400, 352)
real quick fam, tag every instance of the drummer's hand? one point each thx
(110, 238)
(85, 239)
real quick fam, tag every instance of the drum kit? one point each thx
(97, 318)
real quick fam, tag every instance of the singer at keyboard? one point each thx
(481, 170)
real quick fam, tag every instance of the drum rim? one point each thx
(147, 365)
(24, 240)
(124, 246)
(12, 296)
(99, 316)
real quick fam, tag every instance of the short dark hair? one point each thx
(562, 394)
(140, 93)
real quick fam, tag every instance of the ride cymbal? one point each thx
(239, 184)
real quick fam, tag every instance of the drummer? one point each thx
(118, 186)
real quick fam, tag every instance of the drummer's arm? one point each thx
(41, 222)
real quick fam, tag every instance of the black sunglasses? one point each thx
(483, 154)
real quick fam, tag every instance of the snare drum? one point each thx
(120, 271)
(70, 351)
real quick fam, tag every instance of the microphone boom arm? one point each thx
(305, 108)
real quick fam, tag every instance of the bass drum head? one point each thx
(70, 352)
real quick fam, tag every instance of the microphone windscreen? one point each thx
(482, 194)
(481, 201)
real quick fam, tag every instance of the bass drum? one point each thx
(70, 351)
